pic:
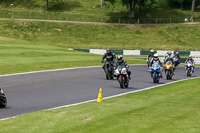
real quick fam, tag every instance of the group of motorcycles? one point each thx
(120, 72)
(168, 69)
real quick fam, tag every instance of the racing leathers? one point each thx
(110, 57)
(150, 56)
(179, 57)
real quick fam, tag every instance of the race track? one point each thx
(38, 91)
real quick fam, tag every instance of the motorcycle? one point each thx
(122, 76)
(189, 68)
(169, 70)
(109, 69)
(176, 61)
(3, 100)
(155, 72)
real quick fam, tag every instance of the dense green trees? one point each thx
(137, 4)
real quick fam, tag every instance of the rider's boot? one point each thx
(129, 75)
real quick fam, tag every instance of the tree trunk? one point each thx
(181, 5)
(192, 11)
(101, 3)
(47, 4)
(132, 9)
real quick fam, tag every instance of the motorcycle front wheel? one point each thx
(121, 82)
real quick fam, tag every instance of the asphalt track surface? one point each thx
(39, 91)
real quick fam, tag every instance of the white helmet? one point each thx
(155, 57)
(119, 57)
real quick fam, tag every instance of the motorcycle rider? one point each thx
(122, 62)
(168, 57)
(179, 57)
(110, 57)
(150, 54)
(192, 60)
(154, 60)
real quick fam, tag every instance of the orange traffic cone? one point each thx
(100, 96)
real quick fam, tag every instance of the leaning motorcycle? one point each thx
(122, 76)
(3, 100)
(189, 68)
(169, 70)
(109, 69)
(155, 72)
(176, 61)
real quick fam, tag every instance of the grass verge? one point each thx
(170, 108)
(21, 56)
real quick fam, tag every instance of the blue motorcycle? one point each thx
(155, 72)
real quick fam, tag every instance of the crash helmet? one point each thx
(152, 51)
(119, 58)
(177, 53)
(108, 50)
(169, 52)
(155, 57)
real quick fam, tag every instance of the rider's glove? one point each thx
(101, 61)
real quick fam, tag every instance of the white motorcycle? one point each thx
(122, 76)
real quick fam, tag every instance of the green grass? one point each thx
(86, 36)
(22, 56)
(171, 108)
(89, 10)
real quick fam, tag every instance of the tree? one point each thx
(47, 4)
(176, 3)
(192, 11)
(140, 4)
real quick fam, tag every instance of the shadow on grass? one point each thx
(64, 5)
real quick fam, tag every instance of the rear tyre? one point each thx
(111, 76)
(126, 86)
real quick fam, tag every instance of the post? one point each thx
(156, 21)
(138, 21)
(29, 15)
(170, 21)
(12, 11)
(119, 20)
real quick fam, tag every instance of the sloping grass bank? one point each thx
(171, 108)
(84, 36)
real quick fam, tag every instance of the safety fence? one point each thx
(90, 18)
(195, 54)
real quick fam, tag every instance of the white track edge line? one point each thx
(55, 70)
(122, 94)
(130, 92)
